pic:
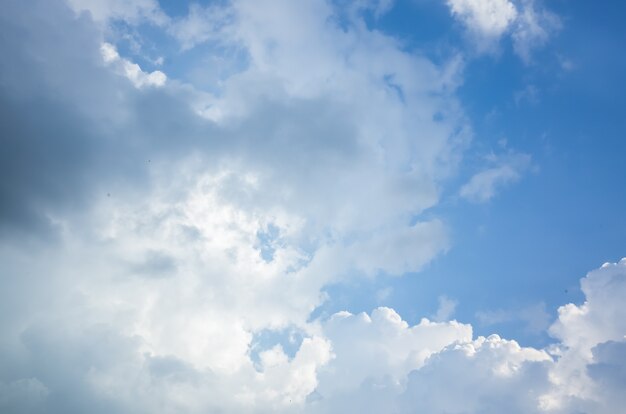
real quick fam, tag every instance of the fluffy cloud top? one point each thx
(486, 17)
(131, 70)
(488, 20)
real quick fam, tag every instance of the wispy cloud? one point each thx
(505, 169)
(446, 309)
(535, 317)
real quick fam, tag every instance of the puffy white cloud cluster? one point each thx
(488, 20)
(582, 372)
(488, 17)
(134, 343)
(592, 339)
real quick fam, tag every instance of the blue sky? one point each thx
(312, 206)
(559, 219)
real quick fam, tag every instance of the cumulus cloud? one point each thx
(157, 203)
(486, 375)
(131, 70)
(582, 372)
(489, 18)
(590, 335)
(529, 25)
(392, 347)
(180, 223)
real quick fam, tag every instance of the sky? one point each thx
(312, 206)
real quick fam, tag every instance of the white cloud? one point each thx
(131, 70)
(533, 30)
(148, 292)
(584, 332)
(507, 169)
(157, 285)
(481, 376)
(381, 347)
(376, 362)
(488, 18)
(487, 21)
(584, 372)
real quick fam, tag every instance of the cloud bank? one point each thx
(153, 229)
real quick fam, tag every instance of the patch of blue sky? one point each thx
(205, 65)
(145, 44)
(422, 27)
(528, 246)
(289, 339)
(268, 240)
(176, 8)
